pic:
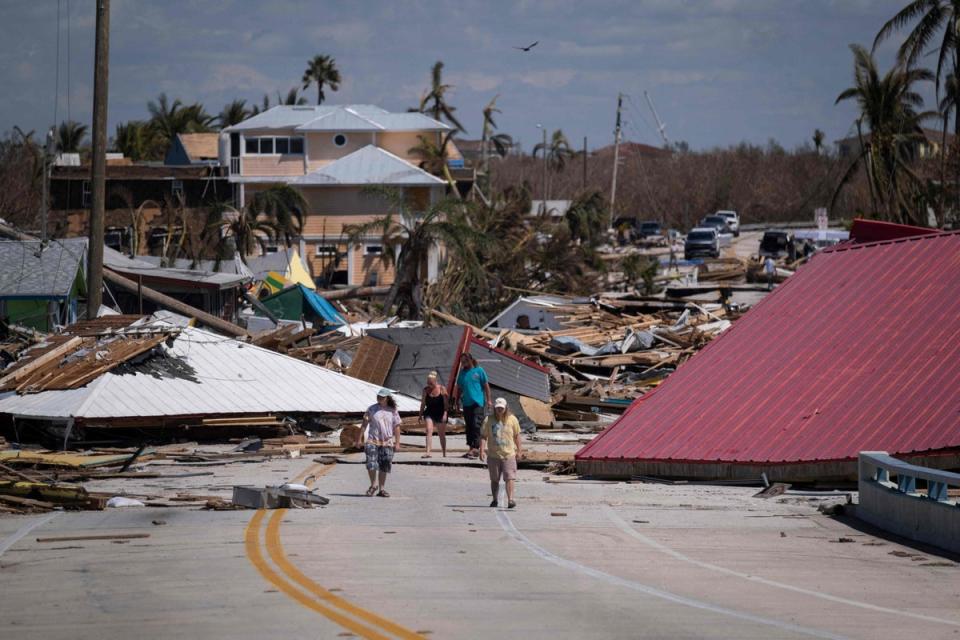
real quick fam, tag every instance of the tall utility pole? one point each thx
(543, 149)
(584, 179)
(49, 150)
(99, 162)
(616, 155)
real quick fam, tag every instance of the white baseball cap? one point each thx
(500, 403)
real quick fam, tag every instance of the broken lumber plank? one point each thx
(105, 536)
(32, 366)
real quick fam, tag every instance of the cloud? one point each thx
(344, 33)
(238, 77)
(548, 78)
(476, 80)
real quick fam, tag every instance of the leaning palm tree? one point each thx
(409, 237)
(284, 207)
(233, 113)
(889, 107)
(433, 158)
(932, 17)
(321, 70)
(434, 101)
(558, 150)
(70, 135)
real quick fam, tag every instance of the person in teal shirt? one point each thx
(473, 394)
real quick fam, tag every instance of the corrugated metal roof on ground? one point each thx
(369, 165)
(206, 374)
(31, 268)
(128, 266)
(857, 351)
(510, 372)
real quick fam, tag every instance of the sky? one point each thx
(719, 72)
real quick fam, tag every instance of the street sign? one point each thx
(820, 216)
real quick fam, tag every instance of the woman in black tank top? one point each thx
(433, 410)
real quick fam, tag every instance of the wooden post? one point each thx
(99, 161)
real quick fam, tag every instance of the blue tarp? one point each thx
(322, 307)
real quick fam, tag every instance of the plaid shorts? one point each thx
(378, 458)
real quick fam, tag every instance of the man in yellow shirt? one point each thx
(500, 442)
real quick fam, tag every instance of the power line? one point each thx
(69, 93)
(56, 84)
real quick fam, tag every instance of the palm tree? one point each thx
(233, 113)
(70, 135)
(246, 228)
(321, 70)
(434, 102)
(433, 158)
(932, 16)
(818, 137)
(501, 142)
(284, 207)
(292, 98)
(131, 139)
(169, 119)
(409, 238)
(558, 150)
(888, 106)
(264, 105)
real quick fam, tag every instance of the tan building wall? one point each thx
(363, 266)
(288, 165)
(321, 151)
(399, 143)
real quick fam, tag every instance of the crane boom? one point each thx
(662, 128)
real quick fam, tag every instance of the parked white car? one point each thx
(733, 220)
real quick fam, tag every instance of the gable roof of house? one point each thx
(857, 351)
(369, 165)
(200, 146)
(37, 269)
(350, 117)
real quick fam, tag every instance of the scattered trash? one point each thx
(121, 501)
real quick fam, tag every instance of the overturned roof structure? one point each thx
(187, 372)
(857, 351)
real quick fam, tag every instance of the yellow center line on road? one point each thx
(290, 574)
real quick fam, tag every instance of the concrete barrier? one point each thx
(889, 500)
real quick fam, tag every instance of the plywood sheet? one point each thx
(373, 360)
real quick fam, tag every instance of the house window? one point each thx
(340, 140)
(326, 250)
(374, 250)
(85, 194)
(274, 145)
(176, 187)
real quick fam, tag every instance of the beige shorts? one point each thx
(506, 467)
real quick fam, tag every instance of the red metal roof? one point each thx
(864, 230)
(859, 350)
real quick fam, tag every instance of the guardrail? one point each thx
(891, 500)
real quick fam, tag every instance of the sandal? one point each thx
(372, 490)
(383, 493)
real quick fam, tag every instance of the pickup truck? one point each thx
(778, 244)
(702, 241)
(733, 220)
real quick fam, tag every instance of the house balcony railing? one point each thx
(234, 166)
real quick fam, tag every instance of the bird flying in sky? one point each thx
(527, 48)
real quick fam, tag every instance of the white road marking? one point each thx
(626, 528)
(14, 537)
(511, 530)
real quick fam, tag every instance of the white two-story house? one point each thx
(331, 153)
